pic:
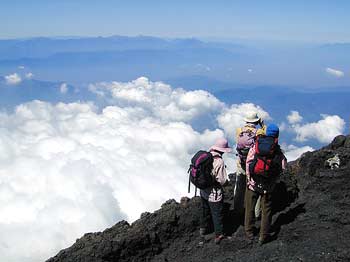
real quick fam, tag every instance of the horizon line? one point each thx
(200, 38)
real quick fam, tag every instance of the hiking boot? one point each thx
(249, 237)
(263, 241)
(218, 239)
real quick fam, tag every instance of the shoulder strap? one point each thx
(274, 148)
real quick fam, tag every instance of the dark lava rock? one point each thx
(311, 223)
(337, 142)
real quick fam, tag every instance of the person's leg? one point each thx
(266, 217)
(258, 208)
(205, 216)
(239, 191)
(217, 216)
(249, 220)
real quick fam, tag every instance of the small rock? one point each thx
(169, 202)
(145, 214)
(333, 162)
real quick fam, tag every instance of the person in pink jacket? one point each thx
(262, 180)
(212, 197)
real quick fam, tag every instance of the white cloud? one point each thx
(283, 127)
(250, 70)
(13, 79)
(159, 100)
(29, 75)
(232, 118)
(334, 72)
(202, 67)
(294, 117)
(323, 131)
(293, 152)
(21, 67)
(66, 169)
(63, 88)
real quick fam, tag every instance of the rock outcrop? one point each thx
(311, 222)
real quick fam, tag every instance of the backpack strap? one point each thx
(189, 183)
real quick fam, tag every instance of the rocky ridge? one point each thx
(311, 222)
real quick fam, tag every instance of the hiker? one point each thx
(212, 197)
(265, 162)
(245, 138)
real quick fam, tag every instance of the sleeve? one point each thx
(250, 158)
(220, 171)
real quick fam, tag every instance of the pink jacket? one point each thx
(219, 172)
(250, 158)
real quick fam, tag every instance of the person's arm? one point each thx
(262, 129)
(220, 171)
(250, 158)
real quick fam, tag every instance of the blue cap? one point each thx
(272, 130)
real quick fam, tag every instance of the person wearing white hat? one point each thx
(265, 162)
(245, 138)
(212, 197)
(252, 117)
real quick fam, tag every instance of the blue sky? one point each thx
(310, 21)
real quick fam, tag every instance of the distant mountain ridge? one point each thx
(44, 47)
(91, 59)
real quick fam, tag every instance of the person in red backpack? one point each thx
(212, 197)
(245, 138)
(265, 162)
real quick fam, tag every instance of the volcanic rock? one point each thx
(311, 222)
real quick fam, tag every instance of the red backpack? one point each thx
(267, 160)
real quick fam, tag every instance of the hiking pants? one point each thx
(251, 198)
(212, 211)
(239, 191)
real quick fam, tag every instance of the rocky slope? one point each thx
(311, 223)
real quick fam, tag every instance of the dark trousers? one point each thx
(239, 192)
(251, 198)
(212, 211)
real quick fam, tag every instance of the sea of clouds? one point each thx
(68, 169)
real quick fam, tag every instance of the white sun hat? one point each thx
(252, 117)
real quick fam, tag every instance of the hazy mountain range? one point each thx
(125, 58)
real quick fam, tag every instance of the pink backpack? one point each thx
(245, 141)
